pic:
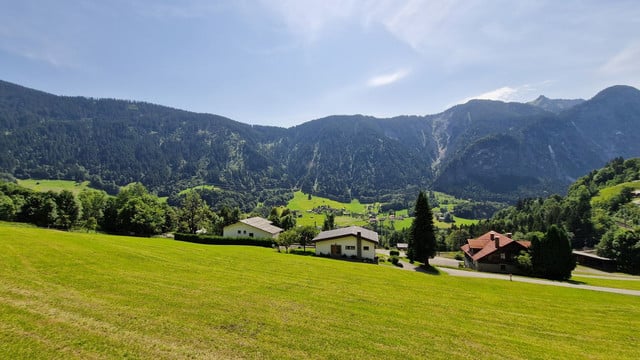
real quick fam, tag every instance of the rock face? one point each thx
(482, 149)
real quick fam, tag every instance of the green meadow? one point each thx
(358, 211)
(54, 185)
(607, 193)
(77, 296)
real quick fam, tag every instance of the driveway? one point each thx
(476, 274)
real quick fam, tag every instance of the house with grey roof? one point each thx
(255, 227)
(350, 242)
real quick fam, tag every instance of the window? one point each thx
(250, 234)
(239, 232)
(244, 231)
(503, 256)
(349, 247)
(365, 248)
(503, 267)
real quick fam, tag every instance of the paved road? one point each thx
(477, 274)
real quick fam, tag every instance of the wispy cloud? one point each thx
(310, 19)
(625, 61)
(387, 79)
(507, 93)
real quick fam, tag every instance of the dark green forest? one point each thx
(482, 150)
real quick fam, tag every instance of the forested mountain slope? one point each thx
(481, 149)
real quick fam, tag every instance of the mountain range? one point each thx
(483, 150)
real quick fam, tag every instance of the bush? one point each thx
(459, 255)
(219, 240)
(394, 253)
(394, 260)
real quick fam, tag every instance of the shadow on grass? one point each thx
(428, 269)
(575, 282)
(301, 252)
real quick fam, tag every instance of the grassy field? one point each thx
(606, 194)
(358, 212)
(72, 295)
(54, 185)
(621, 283)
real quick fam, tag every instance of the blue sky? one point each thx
(286, 62)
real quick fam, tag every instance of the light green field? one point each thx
(621, 283)
(301, 203)
(358, 211)
(606, 194)
(207, 187)
(54, 185)
(79, 296)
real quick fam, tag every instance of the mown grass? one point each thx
(604, 195)
(54, 185)
(71, 295)
(621, 283)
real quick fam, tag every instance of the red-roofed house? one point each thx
(494, 252)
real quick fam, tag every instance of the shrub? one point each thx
(459, 256)
(394, 253)
(394, 260)
(219, 240)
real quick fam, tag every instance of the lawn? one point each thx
(606, 194)
(621, 283)
(77, 296)
(54, 185)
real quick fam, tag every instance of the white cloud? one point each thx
(625, 61)
(386, 79)
(309, 19)
(507, 93)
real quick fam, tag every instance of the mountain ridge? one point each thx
(482, 149)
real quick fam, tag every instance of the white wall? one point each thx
(244, 231)
(323, 247)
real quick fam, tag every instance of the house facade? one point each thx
(494, 252)
(255, 227)
(350, 242)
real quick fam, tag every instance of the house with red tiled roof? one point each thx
(494, 252)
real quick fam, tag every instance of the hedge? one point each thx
(219, 240)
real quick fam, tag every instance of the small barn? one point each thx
(256, 227)
(351, 242)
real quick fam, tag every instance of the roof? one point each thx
(351, 230)
(591, 255)
(486, 244)
(262, 224)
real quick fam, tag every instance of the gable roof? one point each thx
(486, 244)
(262, 224)
(351, 230)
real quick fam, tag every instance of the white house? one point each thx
(252, 227)
(352, 241)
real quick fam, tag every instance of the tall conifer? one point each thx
(422, 244)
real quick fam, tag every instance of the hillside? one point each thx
(79, 296)
(485, 150)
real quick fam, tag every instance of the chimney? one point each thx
(492, 234)
(497, 241)
(509, 235)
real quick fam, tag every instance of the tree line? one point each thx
(133, 211)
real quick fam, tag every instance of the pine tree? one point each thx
(422, 240)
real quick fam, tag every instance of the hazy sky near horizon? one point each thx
(285, 62)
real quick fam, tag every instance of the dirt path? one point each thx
(476, 274)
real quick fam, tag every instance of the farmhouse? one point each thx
(493, 252)
(252, 227)
(352, 242)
